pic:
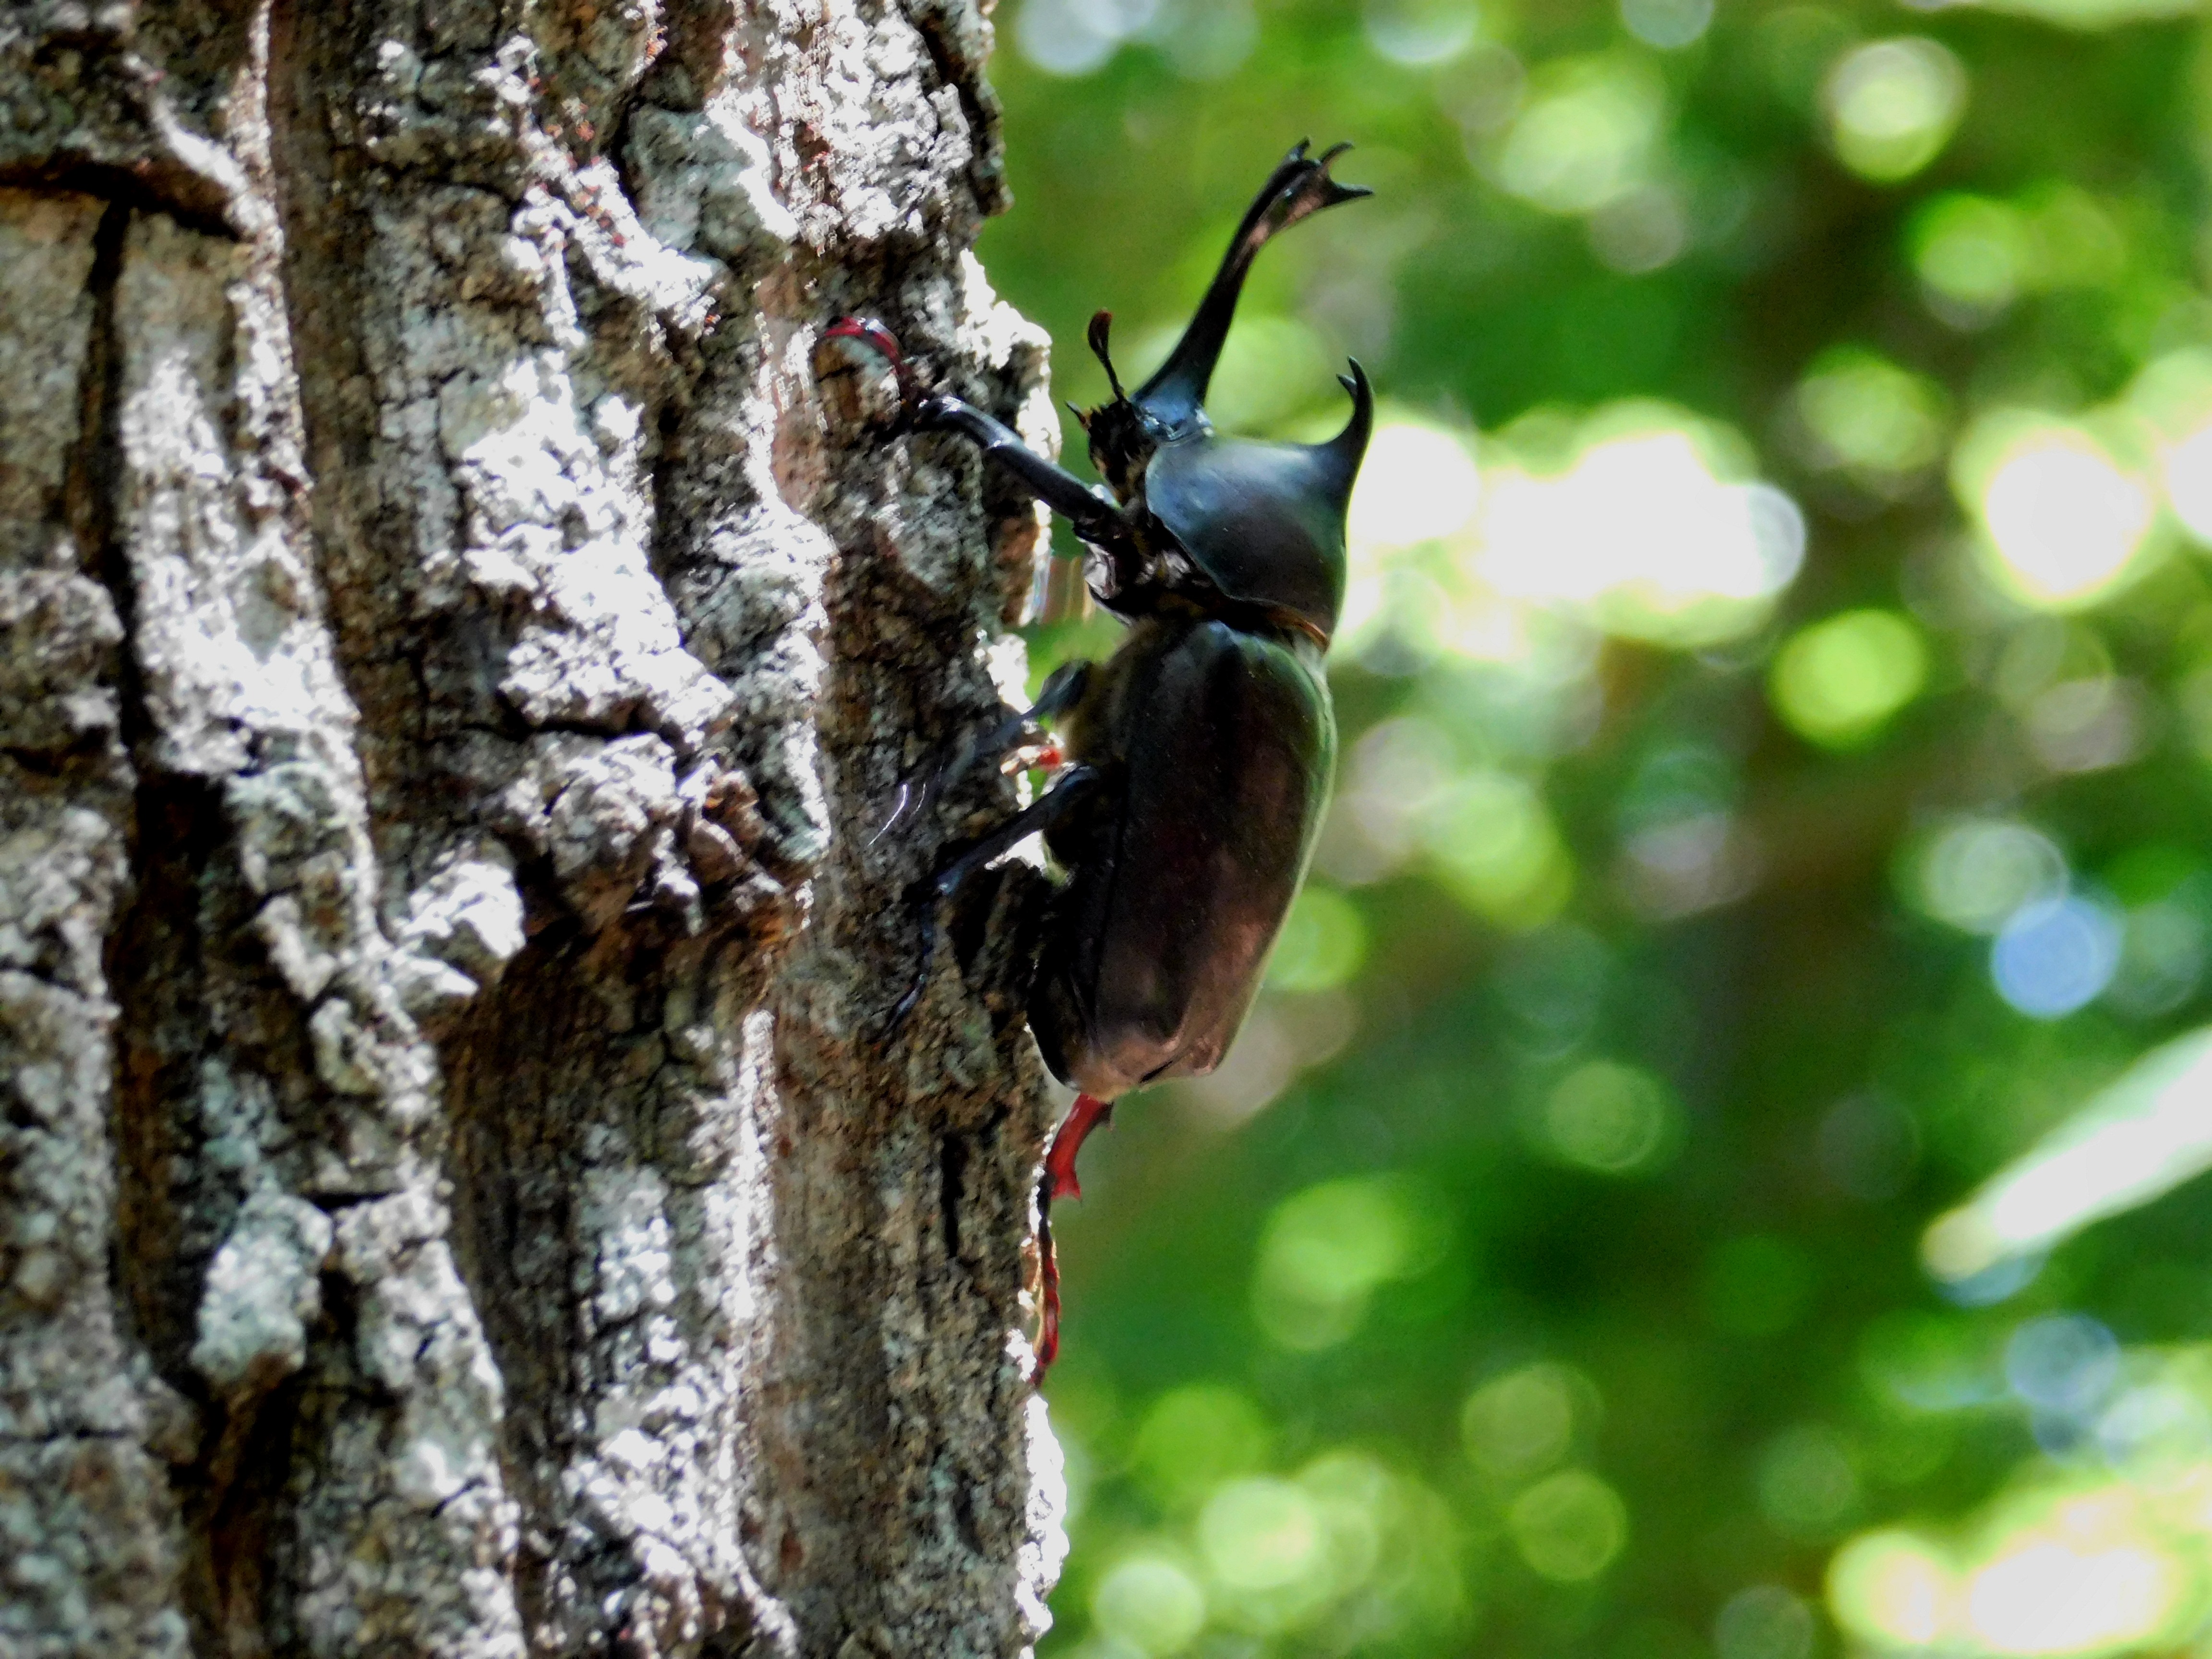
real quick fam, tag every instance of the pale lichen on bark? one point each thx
(459, 1191)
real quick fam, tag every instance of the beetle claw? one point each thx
(1047, 1341)
(869, 331)
(922, 899)
(878, 338)
(905, 1005)
(914, 800)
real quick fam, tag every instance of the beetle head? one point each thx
(1264, 522)
(1121, 439)
(1170, 405)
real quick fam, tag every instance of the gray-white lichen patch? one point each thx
(462, 1194)
(261, 1290)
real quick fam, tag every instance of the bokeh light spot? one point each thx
(2188, 468)
(1614, 1119)
(1417, 33)
(1808, 1481)
(1644, 230)
(1839, 682)
(1150, 1603)
(1494, 842)
(1076, 37)
(1976, 874)
(2158, 1435)
(2141, 1136)
(1194, 1438)
(1585, 134)
(1866, 416)
(2055, 957)
(1570, 1527)
(2052, 1597)
(1356, 1499)
(1971, 255)
(1669, 25)
(1325, 1250)
(1418, 483)
(2064, 521)
(1763, 1622)
(2065, 1363)
(1521, 1423)
(1890, 1590)
(1926, 1363)
(1324, 941)
(1640, 533)
(1260, 1533)
(1893, 104)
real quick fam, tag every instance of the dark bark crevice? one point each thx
(171, 192)
(94, 466)
(167, 1228)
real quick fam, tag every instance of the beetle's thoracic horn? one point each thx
(1297, 188)
(1340, 456)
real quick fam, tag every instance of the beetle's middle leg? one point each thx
(1077, 786)
(1062, 691)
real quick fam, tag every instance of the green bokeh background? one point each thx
(1546, 1274)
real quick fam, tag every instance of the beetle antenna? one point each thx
(1102, 321)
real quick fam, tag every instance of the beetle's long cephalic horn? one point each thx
(1299, 187)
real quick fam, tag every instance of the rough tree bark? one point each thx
(457, 628)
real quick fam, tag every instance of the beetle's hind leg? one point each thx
(1077, 786)
(1088, 1113)
(1059, 1181)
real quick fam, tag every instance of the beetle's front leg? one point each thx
(1078, 786)
(1096, 519)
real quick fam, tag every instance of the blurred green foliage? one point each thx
(1709, 1176)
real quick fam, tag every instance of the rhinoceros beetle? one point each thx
(1195, 761)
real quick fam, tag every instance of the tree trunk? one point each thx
(460, 1189)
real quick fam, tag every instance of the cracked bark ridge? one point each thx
(458, 628)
